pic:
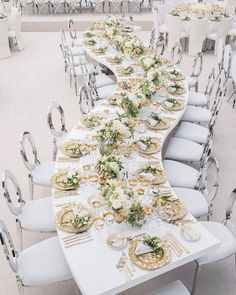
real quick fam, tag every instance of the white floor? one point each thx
(29, 81)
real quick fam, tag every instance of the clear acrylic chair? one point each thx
(97, 6)
(58, 6)
(196, 71)
(225, 233)
(58, 135)
(177, 53)
(41, 264)
(226, 68)
(233, 67)
(39, 173)
(25, 5)
(41, 6)
(28, 215)
(74, 6)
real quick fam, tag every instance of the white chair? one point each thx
(175, 32)
(162, 20)
(59, 136)
(203, 99)
(4, 44)
(36, 215)
(196, 132)
(223, 232)
(200, 202)
(42, 6)
(86, 100)
(41, 264)
(39, 173)
(174, 288)
(75, 50)
(25, 5)
(74, 6)
(196, 71)
(220, 56)
(230, 6)
(221, 32)
(97, 6)
(75, 41)
(197, 35)
(200, 114)
(227, 67)
(14, 33)
(233, 67)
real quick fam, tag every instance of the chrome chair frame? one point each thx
(197, 71)
(57, 6)
(135, 6)
(97, 6)
(72, 5)
(115, 6)
(177, 53)
(41, 6)
(227, 70)
(72, 29)
(24, 5)
(86, 95)
(55, 133)
(229, 211)
(29, 166)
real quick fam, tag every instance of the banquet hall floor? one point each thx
(29, 81)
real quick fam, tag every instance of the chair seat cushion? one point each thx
(81, 69)
(212, 36)
(194, 200)
(77, 50)
(180, 175)
(191, 81)
(103, 80)
(43, 263)
(192, 132)
(174, 288)
(106, 91)
(197, 99)
(227, 245)
(181, 149)
(163, 28)
(32, 213)
(196, 114)
(43, 172)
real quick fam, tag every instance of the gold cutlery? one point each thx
(77, 242)
(67, 159)
(173, 245)
(123, 271)
(171, 236)
(72, 236)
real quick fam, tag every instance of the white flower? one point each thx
(116, 204)
(121, 128)
(134, 100)
(114, 166)
(151, 74)
(148, 61)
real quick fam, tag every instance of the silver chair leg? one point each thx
(196, 278)
(19, 234)
(19, 286)
(54, 149)
(31, 187)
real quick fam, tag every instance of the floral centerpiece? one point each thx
(130, 103)
(151, 61)
(124, 203)
(145, 90)
(153, 75)
(109, 166)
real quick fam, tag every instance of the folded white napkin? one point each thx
(148, 176)
(143, 249)
(168, 104)
(142, 145)
(171, 89)
(80, 213)
(152, 122)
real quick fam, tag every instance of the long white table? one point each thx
(93, 264)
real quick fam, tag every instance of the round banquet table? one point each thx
(93, 264)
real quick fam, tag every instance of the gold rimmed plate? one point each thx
(159, 176)
(73, 148)
(63, 219)
(92, 120)
(60, 180)
(149, 260)
(151, 149)
(162, 125)
(179, 105)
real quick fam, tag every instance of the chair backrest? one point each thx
(209, 182)
(176, 53)
(7, 178)
(220, 52)
(227, 59)
(197, 65)
(30, 165)
(54, 106)
(8, 247)
(197, 30)
(63, 38)
(214, 117)
(233, 68)
(174, 30)
(210, 83)
(230, 6)
(72, 29)
(4, 31)
(16, 20)
(161, 13)
(86, 101)
(2, 6)
(230, 204)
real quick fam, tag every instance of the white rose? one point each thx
(116, 204)
(134, 100)
(114, 166)
(121, 128)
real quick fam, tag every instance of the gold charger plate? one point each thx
(121, 71)
(178, 207)
(164, 124)
(171, 77)
(67, 148)
(112, 60)
(179, 106)
(91, 121)
(150, 260)
(178, 91)
(66, 214)
(161, 175)
(152, 149)
(57, 179)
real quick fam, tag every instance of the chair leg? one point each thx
(54, 149)
(19, 286)
(196, 278)
(31, 187)
(19, 234)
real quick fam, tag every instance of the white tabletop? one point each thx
(93, 264)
